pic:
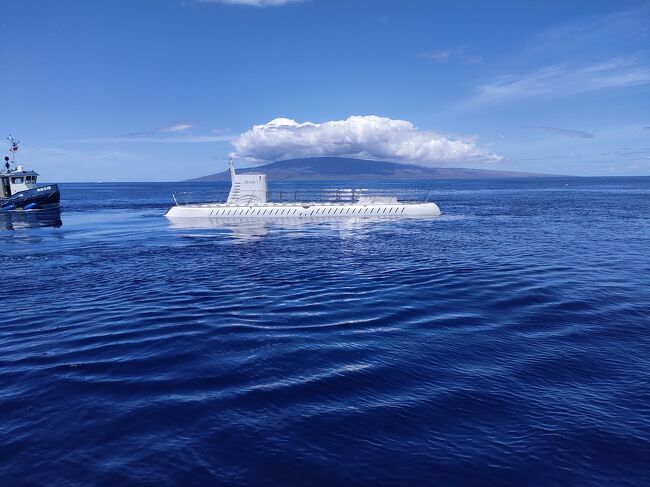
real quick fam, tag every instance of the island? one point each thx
(342, 168)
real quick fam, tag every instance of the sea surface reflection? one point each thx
(250, 229)
(16, 220)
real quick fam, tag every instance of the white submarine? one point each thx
(248, 198)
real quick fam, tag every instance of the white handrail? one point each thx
(333, 195)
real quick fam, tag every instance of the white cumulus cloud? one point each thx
(366, 137)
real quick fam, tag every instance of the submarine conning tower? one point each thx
(246, 189)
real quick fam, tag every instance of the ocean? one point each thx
(504, 343)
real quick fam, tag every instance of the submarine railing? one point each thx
(306, 196)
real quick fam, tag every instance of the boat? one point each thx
(249, 198)
(18, 188)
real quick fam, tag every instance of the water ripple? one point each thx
(502, 344)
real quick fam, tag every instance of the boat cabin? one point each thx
(16, 180)
(246, 189)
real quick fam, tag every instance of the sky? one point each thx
(164, 90)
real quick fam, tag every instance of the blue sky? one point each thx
(166, 89)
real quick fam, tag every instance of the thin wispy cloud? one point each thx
(174, 133)
(177, 127)
(366, 137)
(563, 80)
(459, 54)
(564, 132)
(583, 55)
(173, 139)
(622, 154)
(253, 3)
(613, 31)
(173, 128)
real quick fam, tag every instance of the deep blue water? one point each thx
(506, 343)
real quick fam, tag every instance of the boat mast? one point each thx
(14, 148)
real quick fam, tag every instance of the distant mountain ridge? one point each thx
(342, 168)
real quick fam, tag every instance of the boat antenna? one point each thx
(13, 149)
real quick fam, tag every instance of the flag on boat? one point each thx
(14, 144)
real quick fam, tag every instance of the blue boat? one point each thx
(18, 188)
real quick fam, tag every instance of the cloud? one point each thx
(586, 54)
(172, 128)
(174, 139)
(176, 132)
(459, 53)
(566, 132)
(177, 127)
(614, 31)
(563, 80)
(253, 3)
(368, 137)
